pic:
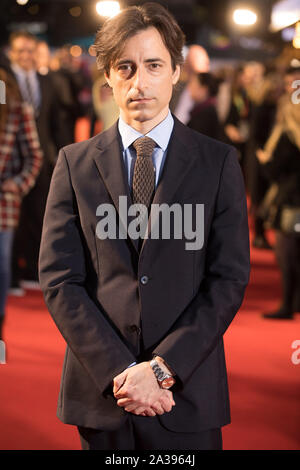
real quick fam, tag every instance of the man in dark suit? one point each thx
(144, 317)
(38, 91)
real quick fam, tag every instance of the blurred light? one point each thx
(75, 51)
(296, 40)
(75, 11)
(295, 63)
(22, 2)
(283, 19)
(244, 17)
(284, 13)
(288, 34)
(108, 9)
(92, 51)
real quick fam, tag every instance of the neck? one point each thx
(145, 126)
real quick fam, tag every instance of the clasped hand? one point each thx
(137, 391)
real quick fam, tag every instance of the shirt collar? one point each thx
(160, 134)
(21, 72)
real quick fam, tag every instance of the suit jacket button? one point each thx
(135, 329)
(144, 280)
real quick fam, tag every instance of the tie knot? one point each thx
(144, 146)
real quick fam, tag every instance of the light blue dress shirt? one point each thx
(160, 134)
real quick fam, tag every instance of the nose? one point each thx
(140, 78)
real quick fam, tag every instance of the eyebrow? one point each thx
(155, 60)
(128, 61)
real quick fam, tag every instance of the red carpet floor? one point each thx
(264, 383)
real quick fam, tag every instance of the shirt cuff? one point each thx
(132, 364)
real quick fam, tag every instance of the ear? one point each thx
(176, 75)
(106, 76)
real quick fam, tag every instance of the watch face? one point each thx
(167, 382)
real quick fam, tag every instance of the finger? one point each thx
(139, 411)
(149, 412)
(158, 408)
(120, 388)
(166, 406)
(124, 401)
(123, 394)
(131, 407)
(165, 399)
(169, 396)
(118, 382)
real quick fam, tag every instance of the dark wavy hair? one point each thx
(111, 37)
(210, 81)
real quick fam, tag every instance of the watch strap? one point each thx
(158, 372)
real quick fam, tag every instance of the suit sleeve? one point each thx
(201, 326)
(62, 274)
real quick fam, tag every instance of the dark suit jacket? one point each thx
(94, 292)
(47, 118)
(204, 119)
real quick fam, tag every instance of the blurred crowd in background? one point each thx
(50, 93)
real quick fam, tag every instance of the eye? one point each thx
(125, 70)
(155, 66)
(124, 67)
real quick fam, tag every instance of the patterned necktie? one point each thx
(144, 172)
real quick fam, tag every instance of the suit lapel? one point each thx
(179, 160)
(111, 167)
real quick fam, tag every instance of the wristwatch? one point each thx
(164, 380)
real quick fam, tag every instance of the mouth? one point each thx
(140, 100)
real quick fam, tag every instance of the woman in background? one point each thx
(203, 88)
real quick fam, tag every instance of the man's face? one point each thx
(23, 52)
(142, 80)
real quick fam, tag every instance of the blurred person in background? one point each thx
(203, 89)
(104, 103)
(196, 61)
(236, 124)
(241, 130)
(67, 85)
(225, 78)
(18, 173)
(280, 159)
(264, 89)
(38, 91)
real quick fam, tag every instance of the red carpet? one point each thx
(264, 383)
